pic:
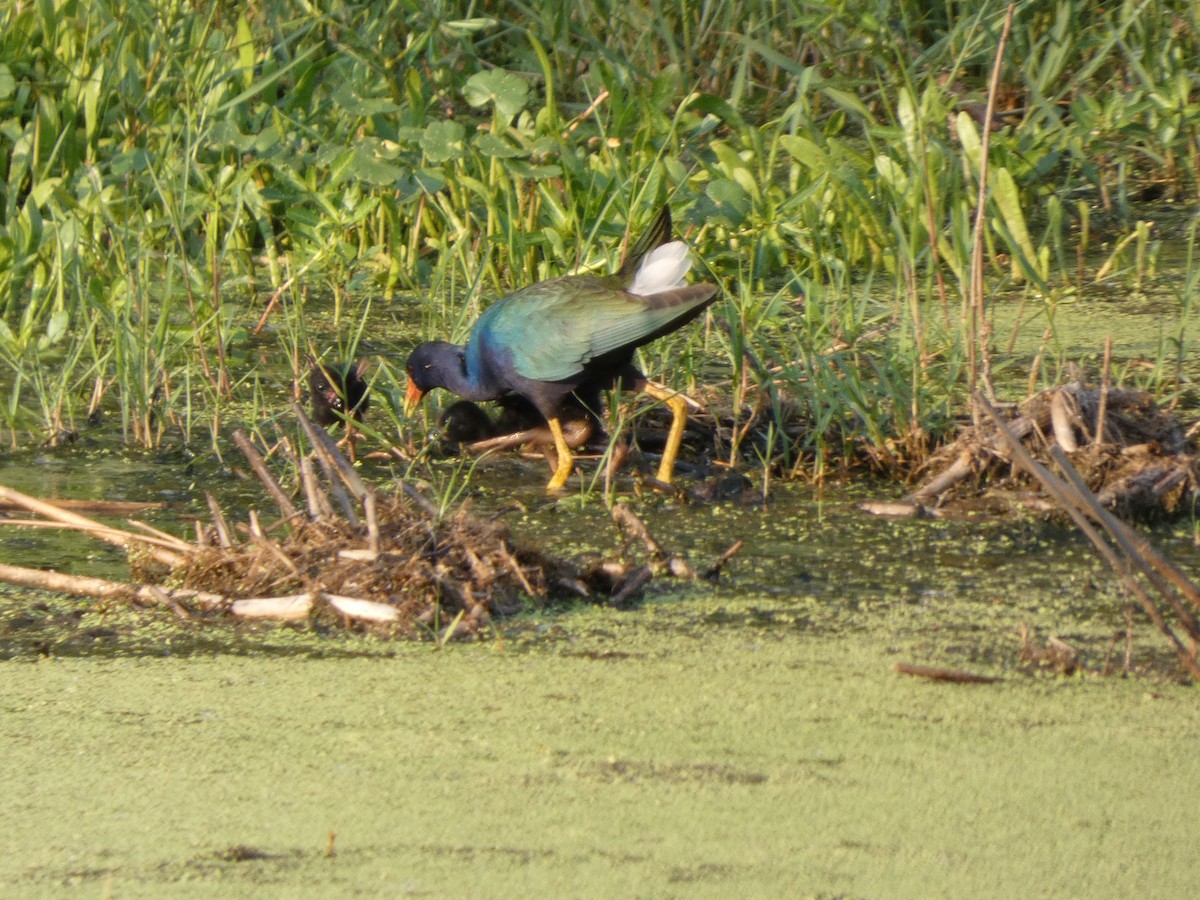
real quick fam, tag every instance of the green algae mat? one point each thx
(595, 754)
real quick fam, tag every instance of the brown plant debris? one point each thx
(1134, 456)
(390, 561)
(427, 570)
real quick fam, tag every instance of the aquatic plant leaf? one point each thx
(1008, 201)
(443, 141)
(805, 152)
(727, 202)
(245, 49)
(509, 92)
(368, 167)
(492, 145)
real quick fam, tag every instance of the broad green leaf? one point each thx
(443, 141)
(460, 28)
(245, 48)
(892, 172)
(57, 326)
(805, 152)
(368, 167)
(495, 146)
(968, 136)
(509, 92)
(907, 113)
(1008, 200)
(8, 84)
(727, 201)
(355, 104)
(715, 106)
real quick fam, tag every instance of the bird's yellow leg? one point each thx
(679, 409)
(566, 461)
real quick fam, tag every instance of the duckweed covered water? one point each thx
(623, 758)
(744, 739)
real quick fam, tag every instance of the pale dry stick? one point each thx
(422, 503)
(168, 540)
(578, 120)
(284, 502)
(318, 501)
(289, 608)
(174, 544)
(1061, 492)
(980, 330)
(327, 463)
(224, 534)
(315, 497)
(115, 536)
(363, 610)
(371, 513)
(96, 507)
(1031, 387)
(103, 589)
(961, 468)
(1105, 381)
(326, 446)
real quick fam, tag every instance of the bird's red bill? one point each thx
(412, 395)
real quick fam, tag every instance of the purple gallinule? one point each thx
(574, 334)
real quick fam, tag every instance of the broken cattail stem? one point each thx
(103, 589)
(224, 535)
(714, 570)
(1105, 381)
(286, 508)
(1062, 493)
(956, 676)
(626, 517)
(1164, 576)
(115, 536)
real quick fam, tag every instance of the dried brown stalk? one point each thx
(1074, 502)
(264, 474)
(103, 589)
(957, 676)
(115, 536)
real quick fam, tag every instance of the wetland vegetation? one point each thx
(195, 201)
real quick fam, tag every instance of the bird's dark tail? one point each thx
(654, 236)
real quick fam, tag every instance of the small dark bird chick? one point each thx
(465, 423)
(339, 391)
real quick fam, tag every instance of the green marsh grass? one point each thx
(165, 173)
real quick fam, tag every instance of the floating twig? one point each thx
(956, 676)
(103, 589)
(714, 570)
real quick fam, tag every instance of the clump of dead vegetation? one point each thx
(351, 554)
(1131, 454)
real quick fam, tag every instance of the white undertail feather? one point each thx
(663, 268)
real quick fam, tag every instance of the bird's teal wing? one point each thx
(551, 330)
